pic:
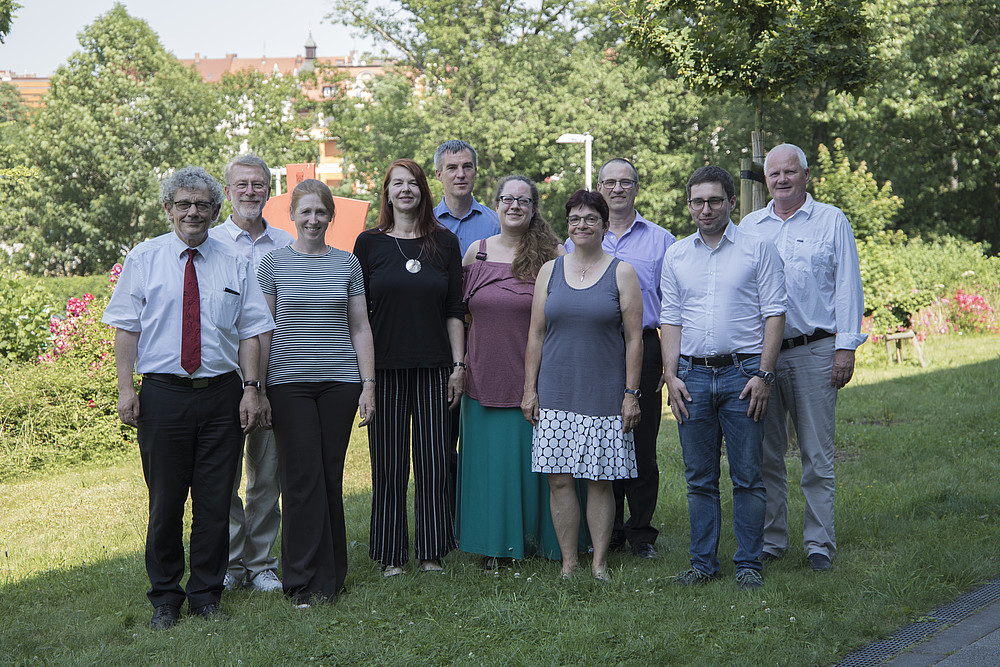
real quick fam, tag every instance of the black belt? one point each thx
(798, 341)
(718, 361)
(190, 383)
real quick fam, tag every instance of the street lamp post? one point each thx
(588, 141)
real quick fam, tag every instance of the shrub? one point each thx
(869, 207)
(63, 408)
(25, 308)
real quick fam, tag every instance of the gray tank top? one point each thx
(583, 353)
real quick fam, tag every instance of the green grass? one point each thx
(917, 517)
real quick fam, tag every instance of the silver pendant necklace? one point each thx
(412, 265)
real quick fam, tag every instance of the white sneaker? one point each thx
(267, 582)
(231, 583)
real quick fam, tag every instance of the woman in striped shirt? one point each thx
(320, 364)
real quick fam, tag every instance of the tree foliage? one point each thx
(509, 78)
(758, 50)
(120, 112)
(7, 9)
(869, 207)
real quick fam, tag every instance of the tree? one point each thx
(266, 115)
(758, 50)
(7, 9)
(509, 78)
(121, 113)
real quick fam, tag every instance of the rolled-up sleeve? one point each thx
(670, 299)
(771, 281)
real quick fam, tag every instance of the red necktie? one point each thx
(191, 321)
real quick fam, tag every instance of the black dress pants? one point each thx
(190, 441)
(312, 428)
(641, 492)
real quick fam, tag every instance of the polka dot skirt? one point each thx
(586, 447)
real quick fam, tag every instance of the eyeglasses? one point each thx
(611, 184)
(589, 220)
(713, 202)
(508, 200)
(202, 206)
(243, 186)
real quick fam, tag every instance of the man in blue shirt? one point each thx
(455, 166)
(642, 244)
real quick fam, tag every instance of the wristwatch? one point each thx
(766, 376)
(634, 392)
(252, 383)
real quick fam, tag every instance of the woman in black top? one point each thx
(413, 281)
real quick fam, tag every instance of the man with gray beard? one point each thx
(253, 525)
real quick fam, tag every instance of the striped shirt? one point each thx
(312, 341)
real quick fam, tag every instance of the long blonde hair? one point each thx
(538, 243)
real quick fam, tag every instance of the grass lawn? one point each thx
(918, 518)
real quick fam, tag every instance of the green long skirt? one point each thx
(503, 508)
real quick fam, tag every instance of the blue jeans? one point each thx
(715, 411)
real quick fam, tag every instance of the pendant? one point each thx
(413, 265)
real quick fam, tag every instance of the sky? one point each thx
(44, 32)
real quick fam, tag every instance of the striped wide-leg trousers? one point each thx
(410, 400)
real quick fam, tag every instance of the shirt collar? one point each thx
(180, 248)
(728, 235)
(806, 209)
(235, 230)
(442, 207)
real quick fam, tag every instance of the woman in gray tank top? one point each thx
(581, 380)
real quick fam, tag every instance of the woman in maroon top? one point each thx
(502, 509)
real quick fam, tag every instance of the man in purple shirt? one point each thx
(642, 244)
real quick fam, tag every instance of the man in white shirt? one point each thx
(187, 313)
(253, 525)
(721, 321)
(822, 331)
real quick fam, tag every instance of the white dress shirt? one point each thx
(148, 299)
(252, 250)
(720, 297)
(822, 275)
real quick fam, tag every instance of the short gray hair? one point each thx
(799, 153)
(191, 178)
(454, 146)
(248, 160)
(618, 160)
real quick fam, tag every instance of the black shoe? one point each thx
(166, 617)
(210, 612)
(820, 562)
(645, 551)
(618, 543)
(768, 557)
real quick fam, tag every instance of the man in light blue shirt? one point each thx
(722, 317)
(455, 165)
(253, 525)
(642, 244)
(822, 330)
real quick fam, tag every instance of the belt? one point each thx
(718, 361)
(798, 341)
(190, 383)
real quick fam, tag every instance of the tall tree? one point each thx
(758, 49)
(7, 9)
(510, 77)
(121, 113)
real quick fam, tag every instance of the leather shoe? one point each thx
(210, 612)
(165, 617)
(645, 551)
(768, 557)
(617, 543)
(820, 562)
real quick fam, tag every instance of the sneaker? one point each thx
(231, 583)
(749, 579)
(692, 577)
(266, 582)
(820, 562)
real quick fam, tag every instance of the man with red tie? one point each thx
(188, 312)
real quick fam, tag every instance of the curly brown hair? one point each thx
(538, 243)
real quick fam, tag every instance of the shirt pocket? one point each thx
(812, 256)
(224, 308)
